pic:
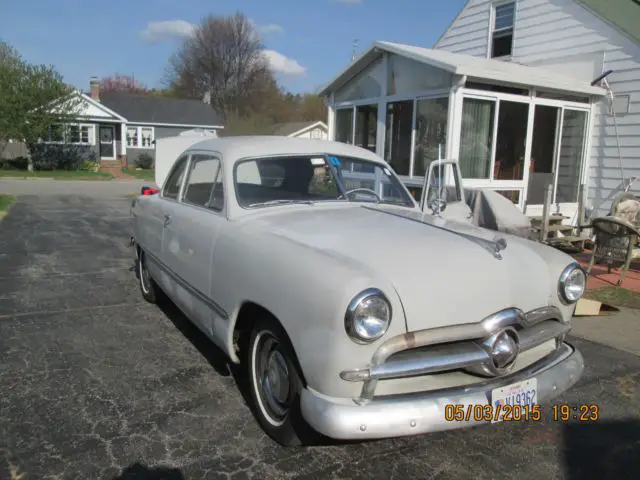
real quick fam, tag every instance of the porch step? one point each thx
(110, 163)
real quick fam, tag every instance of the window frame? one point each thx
(219, 175)
(66, 134)
(138, 143)
(176, 165)
(501, 32)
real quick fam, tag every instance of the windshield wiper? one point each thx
(282, 202)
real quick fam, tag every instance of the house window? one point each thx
(140, 137)
(502, 34)
(71, 133)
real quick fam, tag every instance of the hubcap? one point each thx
(144, 274)
(272, 378)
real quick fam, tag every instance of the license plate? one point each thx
(524, 394)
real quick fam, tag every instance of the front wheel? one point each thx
(147, 285)
(275, 385)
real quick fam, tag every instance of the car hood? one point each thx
(444, 272)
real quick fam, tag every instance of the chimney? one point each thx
(94, 85)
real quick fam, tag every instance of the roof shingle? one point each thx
(149, 109)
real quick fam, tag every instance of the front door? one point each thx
(192, 227)
(107, 142)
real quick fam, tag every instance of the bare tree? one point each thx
(223, 58)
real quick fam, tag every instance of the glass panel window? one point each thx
(513, 195)
(344, 125)
(431, 132)
(397, 145)
(280, 180)
(73, 132)
(56, 133)
(546, 123)
(367, 84)
(174, 182)
(406, 76)
(132, 136)
(366, 126)
(203, 175)
(574, 125)
(476, 139)
(502, 36)
(511, 140)
(84, 134)
(146, 134)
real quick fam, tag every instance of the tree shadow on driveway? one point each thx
(603, 449)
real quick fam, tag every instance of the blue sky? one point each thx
(308, 41)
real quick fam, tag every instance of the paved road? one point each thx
(94, 381)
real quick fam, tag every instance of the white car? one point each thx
(357, 314)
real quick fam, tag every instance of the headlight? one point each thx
(572, 284)
(368, 316)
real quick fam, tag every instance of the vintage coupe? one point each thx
(358, 315)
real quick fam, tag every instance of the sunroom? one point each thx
(513, 129)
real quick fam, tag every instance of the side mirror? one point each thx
(437, 206)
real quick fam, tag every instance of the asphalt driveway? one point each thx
(93, 381)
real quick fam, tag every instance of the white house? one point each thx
(302, 129)
(512, 90)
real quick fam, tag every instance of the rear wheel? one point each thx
(147, 285)
(275, 385)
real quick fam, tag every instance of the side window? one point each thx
(174, 182)
(204, 184)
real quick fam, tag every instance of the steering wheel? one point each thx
(362, 189)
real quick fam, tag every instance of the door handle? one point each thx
(167, 220)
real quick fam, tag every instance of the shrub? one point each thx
(18, 163)
(60, 156)
(144, 161)
(90, 166)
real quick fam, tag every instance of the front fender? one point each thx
(308, 292)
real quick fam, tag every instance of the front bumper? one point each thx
(417, 413)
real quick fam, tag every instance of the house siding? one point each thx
(566, 37)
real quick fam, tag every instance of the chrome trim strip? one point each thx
(422, 412)
(193, 291)
(493, 247)
(438, 359)
(510, 317)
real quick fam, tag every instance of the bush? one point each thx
(89, 166)
(18, 163)
(144, 161)
(61, 156)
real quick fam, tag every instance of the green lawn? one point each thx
(616, 296)
(57, 174)
(5, 203)
(140, 174)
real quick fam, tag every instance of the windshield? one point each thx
(313, 178)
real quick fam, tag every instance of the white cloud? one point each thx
(282, 64)
(270, 28)
(168, 29)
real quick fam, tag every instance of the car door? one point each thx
(442, 193)
(156, 211)
(190, 235)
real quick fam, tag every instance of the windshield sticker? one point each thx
(317, 161)
(387, 172)
(334, 160)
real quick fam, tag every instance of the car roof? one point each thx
(237, 148)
